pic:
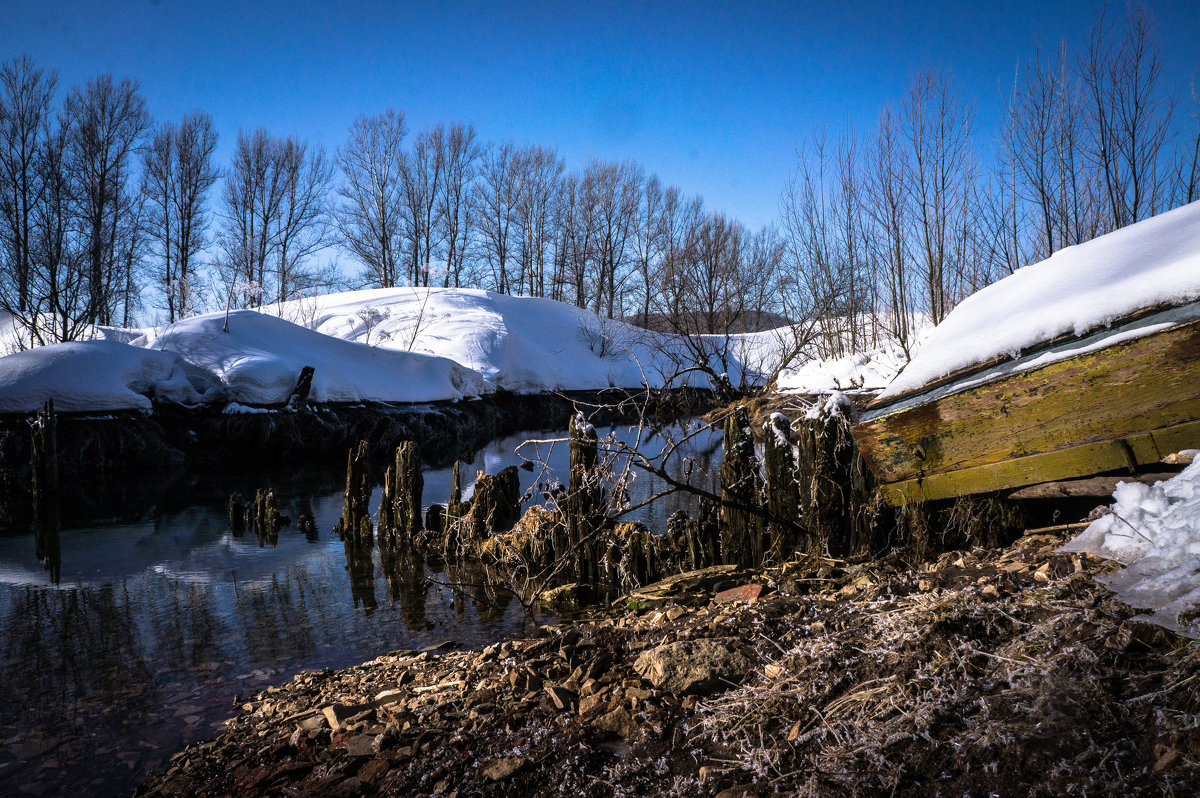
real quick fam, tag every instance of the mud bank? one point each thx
(1005, 671)
(120, 465)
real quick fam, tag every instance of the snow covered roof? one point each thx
(1079, 289)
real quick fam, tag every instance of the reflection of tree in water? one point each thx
(276, 620)
(48, 546)
(470, 580)
(362, 573)
(404, 571)
(74, 659)
(189, 634)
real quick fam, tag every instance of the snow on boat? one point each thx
(1085, 363)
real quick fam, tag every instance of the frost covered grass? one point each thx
(1010, 673)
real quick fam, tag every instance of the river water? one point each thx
(145, 636)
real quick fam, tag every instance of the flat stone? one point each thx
(561, 696)
(693, 666)
(500, 769)
(618, 722)
(338, 714)
(747, 593)
(373, 770)
(360, 745)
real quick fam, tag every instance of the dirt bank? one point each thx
(1005, 672)
(122, 464)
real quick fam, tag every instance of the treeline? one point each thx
(108, 219)
(902, 222)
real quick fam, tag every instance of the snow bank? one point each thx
(858, 371)
(259, 360)
(89, 376)
(1081, 288)
(1154, 531)
(519, 344)
(400, 345)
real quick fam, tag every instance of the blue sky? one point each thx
(713, 97)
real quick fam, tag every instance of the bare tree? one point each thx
(647, 243)
(937, 125)
(26, 94)
(1130, 118)
(108, 122)
(537, 176)
(370, 217)
(177, 173)
(304, 223)
(461, 158)
(495, 211)
(275, 218)
(58, 289)
(423, 174)
(890, 213)
(612, 190)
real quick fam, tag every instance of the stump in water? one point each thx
(267, 514)
(698, 543)
(496, 505)
(741, 522)
(237, 514)
(358, 490)
(782, 492)
(408, 489)
(403, 486)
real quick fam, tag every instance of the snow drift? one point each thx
(1154, 531)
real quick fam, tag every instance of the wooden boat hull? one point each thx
(1124, 405)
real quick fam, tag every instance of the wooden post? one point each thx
(299, 398)
(835, 487)
(408, 488)
(44, 468)
(237, 514)
(782, 492)
(741, 527)
(358, 490)
(582, 498)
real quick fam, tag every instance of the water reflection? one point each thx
(124, 642)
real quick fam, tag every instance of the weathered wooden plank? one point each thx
(1090, 487)
(1096, 411)
(1067, 463)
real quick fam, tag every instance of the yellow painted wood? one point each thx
(1075, 461)
(1124, 405)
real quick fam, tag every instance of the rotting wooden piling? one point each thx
(741, 487)
(781, 491)
(358, 490)
(44, 469)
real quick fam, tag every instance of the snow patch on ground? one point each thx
(857, 372)
(1078, 289)
(1154, 531)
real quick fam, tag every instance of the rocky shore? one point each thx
(1006, 671)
